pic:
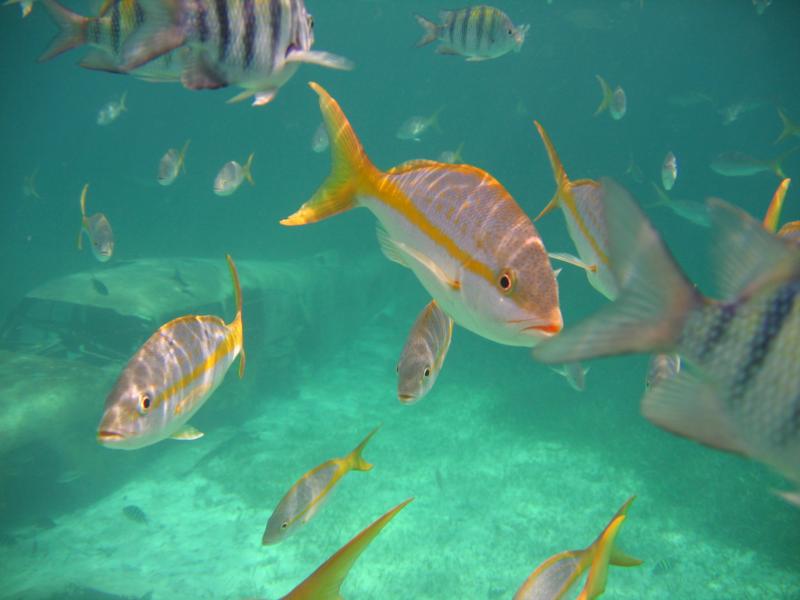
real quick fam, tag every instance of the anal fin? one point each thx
(187, 433)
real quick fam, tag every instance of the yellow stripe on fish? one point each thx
(171, 376)
(470, 245)
(305, 498)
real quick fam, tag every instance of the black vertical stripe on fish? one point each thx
(789, 429)
(464, 27)
(94, 31)
(202, 21)
(275, 17)
(778, 308)
(451, 23)
(717, 329)
(491, 28)
(249, 18)
(221, 7)
(479, 33)
(115, 27)
(138, 13)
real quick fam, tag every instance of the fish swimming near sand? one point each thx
(308, 495)
(742, 392)
(170, 377)
(97, 229)
(135, 514)
(423, 353)
(455, 226)
(555, 577)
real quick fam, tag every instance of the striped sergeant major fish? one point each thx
(555, 577)
(476, 33)
(308, 495)
(253, 44)
(105, 34)
(325, 583)
(742, 393)
(581, 202)
(98, 231)
(423, 354)
(455, 226)
(170, 377)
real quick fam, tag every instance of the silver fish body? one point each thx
(97, 229)
(111, 111)
(231, 176)
(423, 353)
(476, 33)
(168, 167)
(669, 171)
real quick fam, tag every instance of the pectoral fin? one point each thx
(408, 257)
(187, 433)
(572, 260)
(323, 59)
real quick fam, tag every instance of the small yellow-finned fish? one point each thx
(231, 176)
(304, 499)
(669, 171)
(738, 164)
(415, 127)
(452, 156)
(97, 229)
(26, 6)
(455, 226)
(170, 377)
(790, 128)
(691, 210)
(742, 392)
(424, 353)
(555, 577)
(111, 111)
(325, 583)
(171, 164)
(614, 101)
(476, 33)
(581, 202)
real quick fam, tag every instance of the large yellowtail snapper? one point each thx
(455, 226)
(97, 229)
(170, 378)
(742, 392)
(253, 44)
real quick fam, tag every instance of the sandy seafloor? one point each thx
(496, 492)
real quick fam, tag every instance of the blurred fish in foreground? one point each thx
(171, 164)
(742, 392)
(692, 211)
(320, 141)
(415, 127)
(170, 377)
(231, 176)
(476, 33)
(790, 128)
(308, 495)
(423, 353)
(97, 229)
(669, 171)
(325, 583)
(29, 185)
(553, 579)
(738, 164)
(614, 101)
(26, 6)
(581, 203)
(661, 368)
(255, 45)
(112, 110)
(468, 242)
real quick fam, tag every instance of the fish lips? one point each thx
(110, 438)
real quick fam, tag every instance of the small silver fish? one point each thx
(171, 164)
(669, 171)
(452, 156)
(423, 354)
(574, 373)
(692, 211)
(320, 141)
(476, 33)
(614, 101)
(308, 495)
(661, 368)
(415, 127)
(738, 164)
(231, 176)
(111, 111)
(98, 229)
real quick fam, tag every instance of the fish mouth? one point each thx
(105, 436)
(406, 398)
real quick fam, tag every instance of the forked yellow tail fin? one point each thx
(559, 174)
(351, 170)
(790, 128)
(182, 159)
(608, 94)
(248, 168)
(775, 206)
(357, 461)
(236, 324)
(324, 583)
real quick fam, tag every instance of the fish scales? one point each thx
(310, 494)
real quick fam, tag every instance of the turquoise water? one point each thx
(508, 465)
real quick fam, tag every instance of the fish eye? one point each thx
(284, 525)
(427, 372)
(145, 401)
(506, 281)
(510, 31)
(310, 22)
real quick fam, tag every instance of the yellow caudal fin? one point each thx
(247, 170)
(355, 459)
(351, 170)
(182, 157)
(326, 581)
(790, 128)
(775, 206)
(559, 174)
(776, 165)
(83, 215)
(236, 324)
(607, 96)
